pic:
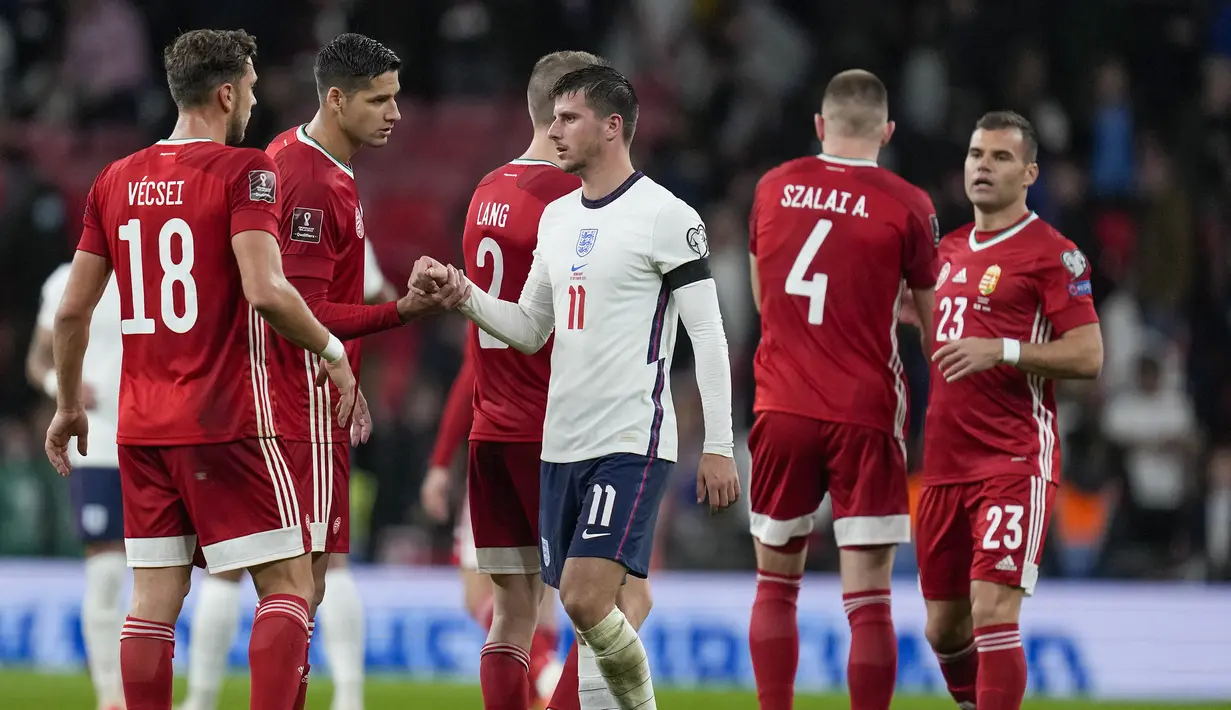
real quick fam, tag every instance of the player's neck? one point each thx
(602, 178)
(1003, 218)
(850, 149)
(194, 125)
(332, 138)
(541, 148)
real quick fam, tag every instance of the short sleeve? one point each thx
(1064, 286)
(309, 234)
(752, 223)
(93, 235)
(680, 247)
(919, 261)
(253, 194)
(53, 292)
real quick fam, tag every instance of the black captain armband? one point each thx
(689, 273)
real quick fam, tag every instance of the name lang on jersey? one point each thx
(492, 214)
(155, 193)
(810, 197)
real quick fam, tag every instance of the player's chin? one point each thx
(378, 139)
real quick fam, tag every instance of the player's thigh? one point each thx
(1010, 515)
(867, 484)
(321, 470)
(243, 501)
(503, 492)
(98, 504)
(158, 532)
(942, 543)
(788, 476)
(562, 491)
(619, 511)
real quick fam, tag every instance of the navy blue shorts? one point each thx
(605, 507)
(98, 506)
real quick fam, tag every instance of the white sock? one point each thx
(622, 660)
(592, 688)
(215, 622)
(1218, 527)
(102, 618)
(341, 616)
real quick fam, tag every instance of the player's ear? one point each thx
(890, 127)
(819, 122)
(1032, 173)
(615, 127)
(335, 98)
(227, 96)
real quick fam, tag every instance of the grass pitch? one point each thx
(34, 691)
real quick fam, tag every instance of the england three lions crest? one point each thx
(585, 241)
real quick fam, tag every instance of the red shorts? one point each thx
(238, 501)
(797, 460)
(990, 530)
(324, 482)
(503, 487)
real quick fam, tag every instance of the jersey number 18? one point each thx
(173, 272)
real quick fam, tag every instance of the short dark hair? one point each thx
(350, 62)
(547, 71)
(858, 99)
(200, 61)
(607, 92)
(1005, 120)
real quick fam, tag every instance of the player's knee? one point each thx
(866, 567)
(158, 594)
(318, 593)
(993, 604)
(585, 604)
(636, 601)
(292, 577)
(949, 626)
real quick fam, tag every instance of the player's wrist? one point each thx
(51, 384)
(727, 451)
(333, 350)
(1011, 351)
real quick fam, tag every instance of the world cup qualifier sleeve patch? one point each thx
(306, 225)
(262, 186)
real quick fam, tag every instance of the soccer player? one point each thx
(95, 489)
(215, 619)
(188, 224)
(617, 263)
(833, 236)
(1013, 312)
(323, 254)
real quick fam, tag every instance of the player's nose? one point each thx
(395, 113)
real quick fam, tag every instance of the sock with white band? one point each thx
(621, 658)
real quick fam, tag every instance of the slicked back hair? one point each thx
(200, 61)
(857, 101)
(547, 71)
(1006, 120)
(350, 62)
(607, 92)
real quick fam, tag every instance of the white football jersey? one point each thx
(100, 370)
(604, 262)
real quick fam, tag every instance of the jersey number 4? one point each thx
(814, 288)
(173, 272)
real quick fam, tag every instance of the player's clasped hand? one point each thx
(718, 480)
(64, 426)
(968, 356)
(436, 287)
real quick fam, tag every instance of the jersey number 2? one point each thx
(173, 272)
(814, 288)
(492, 247)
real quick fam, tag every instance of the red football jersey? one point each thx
(1028, 283)
(502, 227)
(322, 238)
(833, 240)
(193, 368)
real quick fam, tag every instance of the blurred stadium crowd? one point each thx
(1131, 98)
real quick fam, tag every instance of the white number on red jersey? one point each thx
(951, 310)
(173, 272)
(1013, 527)
(491, 246)
(814, 288)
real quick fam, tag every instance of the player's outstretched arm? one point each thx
(525, 325)
(277, 301)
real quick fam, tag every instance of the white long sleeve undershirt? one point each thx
(698, 306)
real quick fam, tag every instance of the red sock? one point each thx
(146, 648)
(278, 651)
(566, 696)
(302, 699)
(504, 676)
(541, 652)
(961, 672)
(872, 666)
(1002, 667)
(773, 639)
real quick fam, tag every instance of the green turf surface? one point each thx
(33, 691)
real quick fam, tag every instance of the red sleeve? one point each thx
(254, 194)
(919, 263)
(752, 223)
(345, 320)
(1064, 287)
(309, 236)
(93, 238)
(458, 415)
